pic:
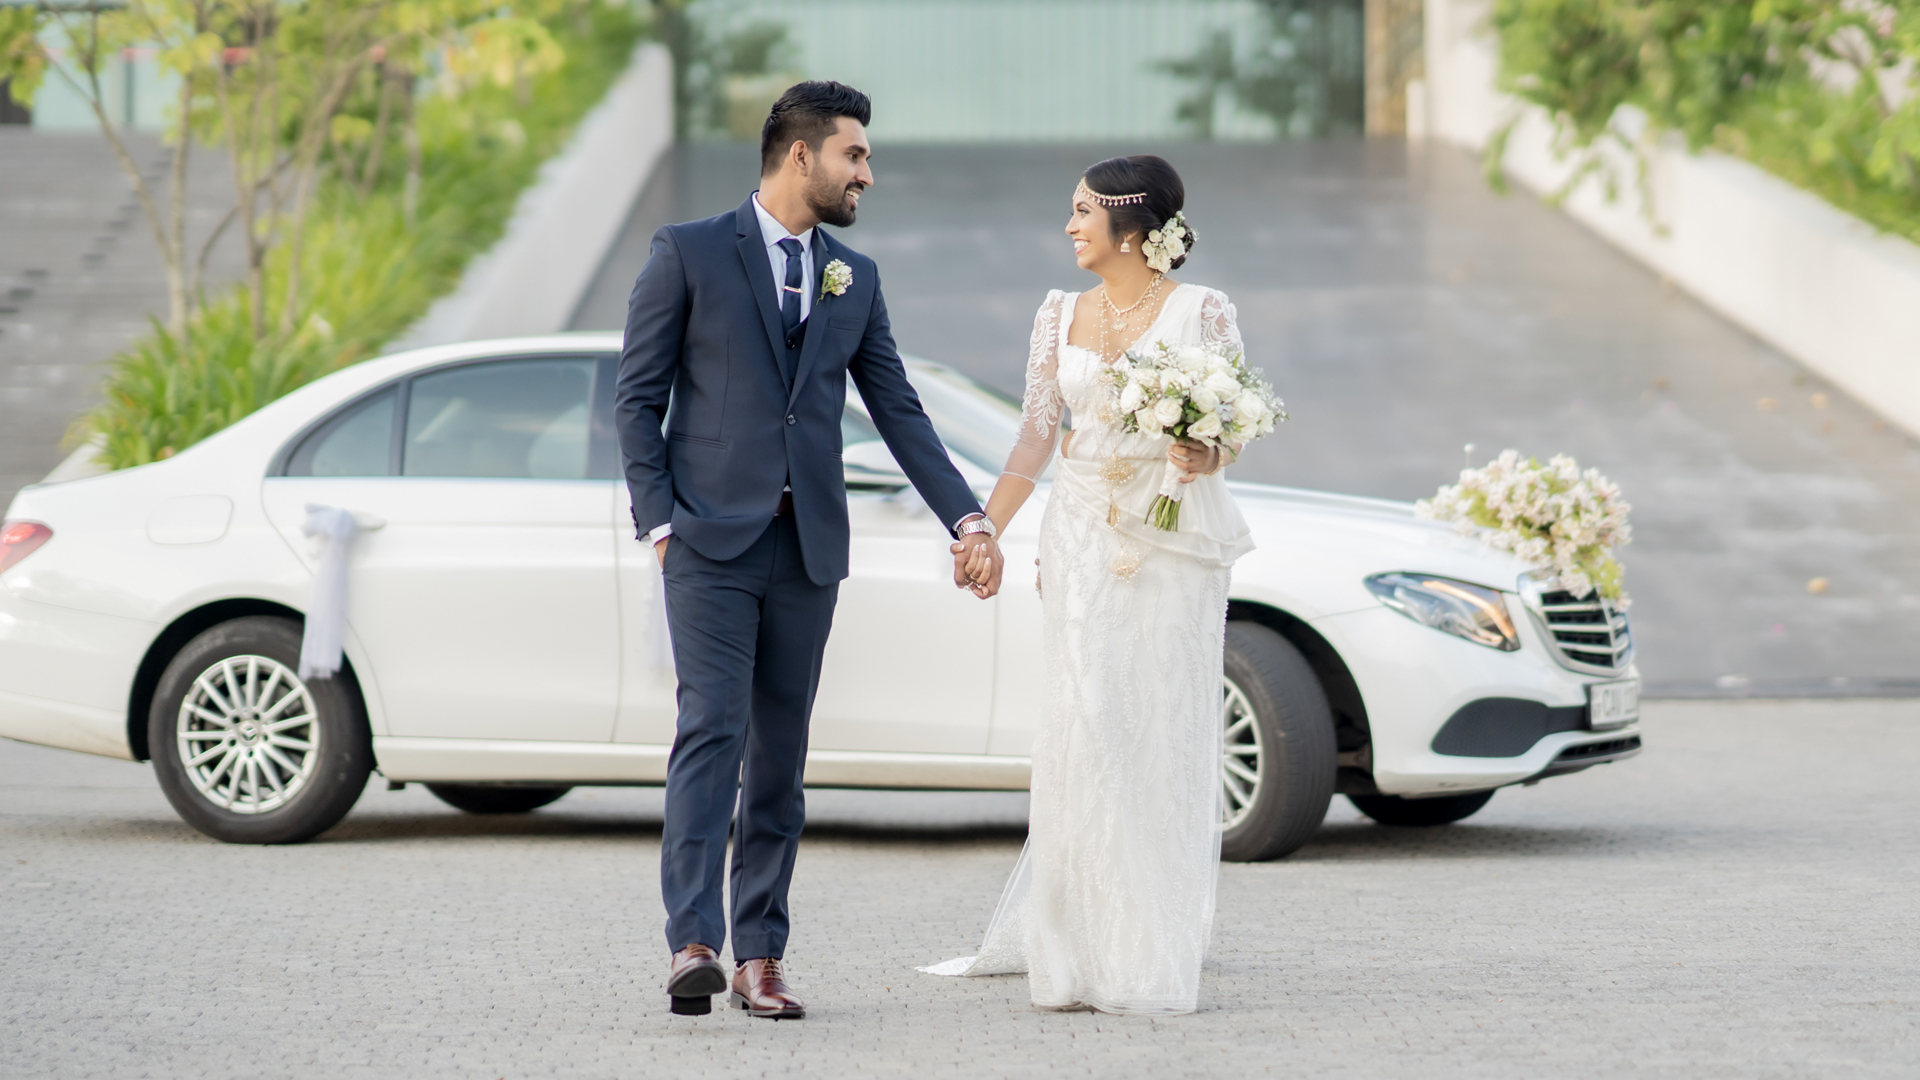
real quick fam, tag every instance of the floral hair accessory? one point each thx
(1167, 243)
(835, 279)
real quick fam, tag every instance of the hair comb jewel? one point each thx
(1085, 192)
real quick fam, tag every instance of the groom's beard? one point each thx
(831, 205)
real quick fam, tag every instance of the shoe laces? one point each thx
(770, 968)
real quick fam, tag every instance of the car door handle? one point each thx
(368, 522)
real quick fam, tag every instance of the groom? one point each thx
(741, 332)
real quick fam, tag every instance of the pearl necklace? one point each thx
(1120, 318)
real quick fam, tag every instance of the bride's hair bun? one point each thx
(1144, 174)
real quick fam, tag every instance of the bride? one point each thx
(1112, 900)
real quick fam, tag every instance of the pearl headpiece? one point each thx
(1085, 192)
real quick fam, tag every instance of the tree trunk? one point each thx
(172, 257)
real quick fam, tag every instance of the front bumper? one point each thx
(1414, 678)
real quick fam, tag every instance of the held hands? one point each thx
(977, 564)
(1194, 459)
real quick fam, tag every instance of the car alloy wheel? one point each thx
(247, 751)
(1278, 760)
(248, 734)
(1240, 755)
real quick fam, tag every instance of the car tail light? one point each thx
(19, 539)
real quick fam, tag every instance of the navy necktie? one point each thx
(790, 295)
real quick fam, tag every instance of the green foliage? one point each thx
(1302, 69)
(724, 80)
(22, 61)
(1824, 93)
(369, 268)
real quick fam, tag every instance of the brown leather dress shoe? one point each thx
(760, 987)
(696, 975)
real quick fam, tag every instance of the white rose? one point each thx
(1204, 398)
(1175, 382)
(1132, 397)
(1168, 411)
(1224, 385)
(1148, 422)
(1148, 378)
(1250, 408)
(1192, 358)
(1207, 427)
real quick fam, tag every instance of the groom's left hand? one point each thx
(982, 583)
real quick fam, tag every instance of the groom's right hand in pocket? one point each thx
(660, 550)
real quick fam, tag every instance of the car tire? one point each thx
(495, 798)
(1441, 810)
(1280, 728)
(245, 750)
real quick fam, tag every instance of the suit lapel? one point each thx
(753, 260)
(822, 303)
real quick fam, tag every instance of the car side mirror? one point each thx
(870, 467)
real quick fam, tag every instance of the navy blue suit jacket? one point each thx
(703, 332)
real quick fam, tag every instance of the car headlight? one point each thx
(1474, 612)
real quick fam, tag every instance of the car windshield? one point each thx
(973, 420)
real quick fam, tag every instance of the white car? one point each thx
(506, 639)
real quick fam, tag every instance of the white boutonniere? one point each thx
(835, 280)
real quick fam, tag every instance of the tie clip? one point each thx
(790, 288)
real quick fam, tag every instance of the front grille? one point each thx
(1589, 635)
(1589, 751)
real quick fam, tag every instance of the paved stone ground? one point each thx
(79, 274)
(1404, 310)
(1738, 902)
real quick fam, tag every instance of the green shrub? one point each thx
(1822, 93)
(366, 272)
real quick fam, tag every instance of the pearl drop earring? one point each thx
(1124, 246)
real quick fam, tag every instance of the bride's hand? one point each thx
(1194, 459)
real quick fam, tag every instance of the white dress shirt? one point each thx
(771, 233)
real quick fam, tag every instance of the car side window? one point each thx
(357, 442)
(512, 419)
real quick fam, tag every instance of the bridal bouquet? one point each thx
(1191, 392)
(1551, 515)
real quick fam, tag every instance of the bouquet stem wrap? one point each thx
(1164, 514)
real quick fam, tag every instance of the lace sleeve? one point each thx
(1040, 411)
(1217, 326)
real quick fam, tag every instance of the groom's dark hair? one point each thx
(808, 112)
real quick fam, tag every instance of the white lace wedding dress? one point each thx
(1111, 903)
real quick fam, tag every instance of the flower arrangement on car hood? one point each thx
(1551, 515)
(1191, 392)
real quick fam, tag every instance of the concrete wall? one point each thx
(1818, 284)
(532, 280)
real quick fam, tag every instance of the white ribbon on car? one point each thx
(327, 612)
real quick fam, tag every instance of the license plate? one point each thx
(1613, 704)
